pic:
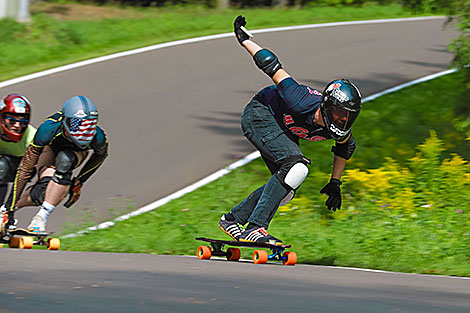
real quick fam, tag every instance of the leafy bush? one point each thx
(427, 184)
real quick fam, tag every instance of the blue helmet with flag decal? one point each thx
(80, 120)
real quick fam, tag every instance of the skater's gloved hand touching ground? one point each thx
(74, 193)
(333, 191)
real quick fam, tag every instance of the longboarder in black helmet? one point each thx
(340, 107)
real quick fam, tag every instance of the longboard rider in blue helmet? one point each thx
(273, 122)
(60, 145)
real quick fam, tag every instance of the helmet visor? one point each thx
(82, 130)
(341, 118)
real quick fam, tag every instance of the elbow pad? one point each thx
(267, 62)
(345, 150)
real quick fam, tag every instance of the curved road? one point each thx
(172, 115)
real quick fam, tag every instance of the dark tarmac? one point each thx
(64, 281)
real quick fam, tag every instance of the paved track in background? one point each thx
(173, 115)
(106, 282)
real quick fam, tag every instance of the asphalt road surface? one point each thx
(173, 115)
(63, 281)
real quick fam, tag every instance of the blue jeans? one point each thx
(263, 131)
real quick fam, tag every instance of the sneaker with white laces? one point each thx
(37, 224)
(259, 235)
(231, 228)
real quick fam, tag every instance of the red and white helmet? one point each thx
(15, 104)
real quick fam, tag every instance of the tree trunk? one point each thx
(223, 4)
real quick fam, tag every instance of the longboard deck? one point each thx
(25, 232)
(243, 243)
(233, 254)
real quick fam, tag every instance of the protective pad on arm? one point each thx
(267, 62)
(345, 150)
(65, 162)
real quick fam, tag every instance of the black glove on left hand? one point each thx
(333, 190)
(241, 35)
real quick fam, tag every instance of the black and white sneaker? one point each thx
(259, 235)
(231, 228)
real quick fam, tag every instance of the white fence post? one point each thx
(23, 11)
(18, 9)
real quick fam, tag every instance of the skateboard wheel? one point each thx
(260, 257)
(233, 254)
(26, 242)
(290, 258)
(14, 242)
(53, 244)
(204, 253)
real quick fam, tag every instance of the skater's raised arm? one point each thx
(265, 59)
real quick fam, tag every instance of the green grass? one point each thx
(433, 241)
(48, 42)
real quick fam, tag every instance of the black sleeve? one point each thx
(100, 153)
(346, 148)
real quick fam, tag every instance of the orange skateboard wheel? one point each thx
(291, 258)
(260, 257)
(53, 244)
(26, 242)
(233, 254)
(204, 253)
(14, 242)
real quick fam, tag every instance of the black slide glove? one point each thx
(241, 35)
(333, 191)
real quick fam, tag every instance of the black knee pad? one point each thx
(38, 192)
(65, 162)
(292, 171)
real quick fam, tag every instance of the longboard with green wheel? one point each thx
(233, 254)
(26, 239)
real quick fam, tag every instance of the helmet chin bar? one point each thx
(15, 137)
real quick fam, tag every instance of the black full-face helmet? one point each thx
(340, 107)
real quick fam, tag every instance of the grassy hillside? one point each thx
(65, 33)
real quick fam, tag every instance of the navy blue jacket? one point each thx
(294, 106)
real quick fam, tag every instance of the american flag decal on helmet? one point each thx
(83, 129)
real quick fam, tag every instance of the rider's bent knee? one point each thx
(65, 162)
(293, 171)
(38, 192)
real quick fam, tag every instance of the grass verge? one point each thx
(410, 214)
